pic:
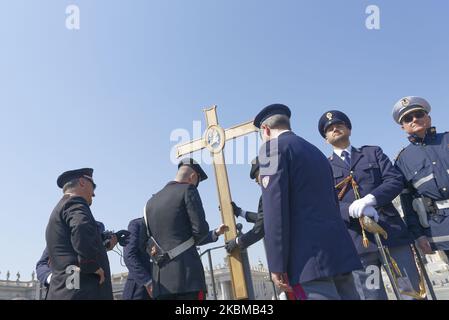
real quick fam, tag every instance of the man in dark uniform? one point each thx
(425, 165)
(77, 256)
(377, 184)
(43, 269)
(177, 223)
(257, 232)
(137, 260)
(137, 256)
(307, 242)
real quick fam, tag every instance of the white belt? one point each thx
(173, 253)
(420, 182)
(438, 239)
(443, 204)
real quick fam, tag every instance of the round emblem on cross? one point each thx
(215, 139)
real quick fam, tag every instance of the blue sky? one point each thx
(109, 95)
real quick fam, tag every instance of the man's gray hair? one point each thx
(71, 184)
(278, 121)
(184, 173)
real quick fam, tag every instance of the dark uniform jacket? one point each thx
(305, 235)
(43, 268)
(174, 215)
(138, 262)
(425, 165)
(73, 239)
(374, 174)
(257, 232)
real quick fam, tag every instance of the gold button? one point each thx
(434, 162)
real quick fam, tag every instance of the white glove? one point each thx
(357, 207)
(371, 212)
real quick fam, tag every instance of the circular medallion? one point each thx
(215, 138)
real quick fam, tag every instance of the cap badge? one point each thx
(405, 102)
(329, 116)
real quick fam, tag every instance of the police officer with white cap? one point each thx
(425, 166)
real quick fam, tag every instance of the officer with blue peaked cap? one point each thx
(370, 170)
(332, 117)
(308, 246)
(271, 110)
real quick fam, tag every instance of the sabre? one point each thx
(374, 228)
(387, 267)
(421, 264)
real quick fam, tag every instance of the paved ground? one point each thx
(441, 291)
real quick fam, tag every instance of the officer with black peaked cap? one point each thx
(177, 223)
(78, 258)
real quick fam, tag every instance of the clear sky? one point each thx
(109, 95)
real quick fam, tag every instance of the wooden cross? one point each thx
(214, 140)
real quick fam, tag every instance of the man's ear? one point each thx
(81, 182)
(268, 131)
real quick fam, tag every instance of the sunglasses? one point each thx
(415, 114)
(91, 181)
